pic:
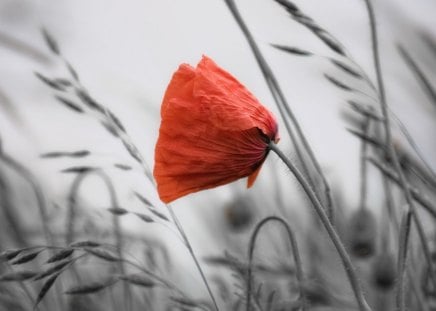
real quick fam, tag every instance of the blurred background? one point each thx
(125, 52)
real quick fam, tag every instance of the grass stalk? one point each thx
(363, 165)
(295, 252)
(284, 108)
(72, 203)
(410, 208)
(320, 210)
(194, 257)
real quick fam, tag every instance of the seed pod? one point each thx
(362, 233)
(384, 271)
(239, 214)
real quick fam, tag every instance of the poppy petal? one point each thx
(230, 104)
(252, 177)
(212, 132)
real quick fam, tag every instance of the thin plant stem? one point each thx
(428, 172)
(125, 138)
(25, 288)
(40, 199)
(402, 260)
(295, 252)
(419, 197)
(410, 207)
(194, 257)
(345, 258)
(363, 165)
(283, 107)
(72, 203)
(389, 214)
(164, 282)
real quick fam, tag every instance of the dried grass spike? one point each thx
(63, 82)
(49, 82)
(79, 169)
(91, 288)
(17, 276)
(133, 151)
(56, 268)
(103, 254)
(117, 121)
(110, 128)
(158, 214)
(72, 71)
(344, 67)
(145, 218)
(45, 288)
(338, 83)
(85, 244)
(26, 258)
(118, 211)
(292, 50)
(123, 167)
(69, 104)
(185, 302)
(58, 154)
(89, 101)
(10, 254)
(137, 279)
(289, 6)
(143, 199)
(331, 42)
(61, 255)
(51, 43)
(365, 110)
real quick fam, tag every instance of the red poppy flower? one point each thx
(213, 131)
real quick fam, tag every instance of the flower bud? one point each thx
(239, 214)
(384, 271)
(362, 233)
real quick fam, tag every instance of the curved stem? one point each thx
(295, 252)
(346, 260)
(72, 202)
(284, 109)
(39, 195)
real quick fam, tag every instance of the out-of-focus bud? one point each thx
(384, 271)
(239, 213)
(362, 233)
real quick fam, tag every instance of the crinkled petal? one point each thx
(230, 104)
(213, 131)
